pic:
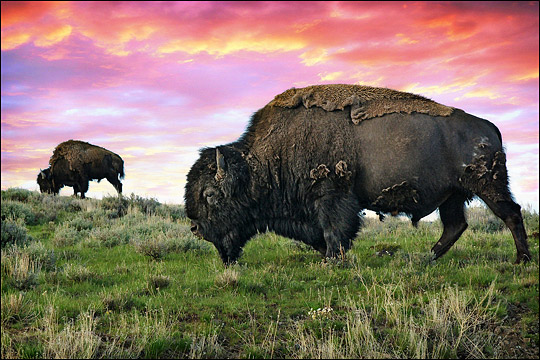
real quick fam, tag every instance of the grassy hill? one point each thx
(125, 278)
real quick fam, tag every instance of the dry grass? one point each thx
(16, 308)
(451, 324)
(227, 278)
(20, 270)
(76, 340)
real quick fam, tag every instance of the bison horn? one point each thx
(220, 161)
(42, 174)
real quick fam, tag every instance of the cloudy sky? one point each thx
(156, 81)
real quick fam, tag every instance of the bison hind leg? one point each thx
(113, 179)
(487, 177)
(452, 215)
(510, 213)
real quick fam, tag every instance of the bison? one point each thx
(74, 163)
(313, 158)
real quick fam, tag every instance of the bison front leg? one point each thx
(453, 218)
(83, 187)
(338, 217)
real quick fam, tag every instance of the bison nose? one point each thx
(194, 227)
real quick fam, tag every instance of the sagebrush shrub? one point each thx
(153, 247)
(78, 273)
(18, 194)
(115, 206)
(66, 235)
(14, 234)
(16, 210)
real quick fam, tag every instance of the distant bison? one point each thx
(314, 158)
(74, 163)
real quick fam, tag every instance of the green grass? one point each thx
(126, 279)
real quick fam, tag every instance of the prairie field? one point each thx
(125, 278)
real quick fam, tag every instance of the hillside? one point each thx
(125, 278)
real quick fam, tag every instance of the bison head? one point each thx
(217, 200)
(45, 182)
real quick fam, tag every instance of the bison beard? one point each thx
(305, 170)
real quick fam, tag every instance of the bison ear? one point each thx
(221, 165)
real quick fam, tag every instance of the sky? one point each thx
(156, 81)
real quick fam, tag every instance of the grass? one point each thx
(124, 278)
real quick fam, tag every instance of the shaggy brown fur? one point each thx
(78, 153)
(486, 175)
(320, 172)
(341, 170)
(396, 197)
(366, 102)
(74, 163)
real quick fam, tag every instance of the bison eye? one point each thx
(210, 196)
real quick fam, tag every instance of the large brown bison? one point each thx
(314, 158)
(74, 163)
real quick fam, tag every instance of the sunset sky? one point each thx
(156, 81)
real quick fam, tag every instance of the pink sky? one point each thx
(156, 81)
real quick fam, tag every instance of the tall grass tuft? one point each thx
(19, 270)
(452, 323)
(16, 308)
(77, 339)
(227, 278)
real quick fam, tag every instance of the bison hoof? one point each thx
(522, 258)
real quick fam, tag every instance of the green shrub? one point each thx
(110, 236)
(530, 218)
(175, 212)
(154, 247)
(18, 194)
(187, 242)
(14, 234)
(118, 299)
(78, 273)
(17, 210)
(115, 206)
(66, 235)
(80, 223)
(39, 254)
(483, 220)
(146, 206)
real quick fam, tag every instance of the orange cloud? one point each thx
(14, 39)
(42, 23)
(21, 12)
(52, 36)
(226, 46)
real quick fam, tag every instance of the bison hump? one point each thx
(77, 153)
(365, 102)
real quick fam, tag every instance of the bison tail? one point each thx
(121, 172)
(120, 169)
